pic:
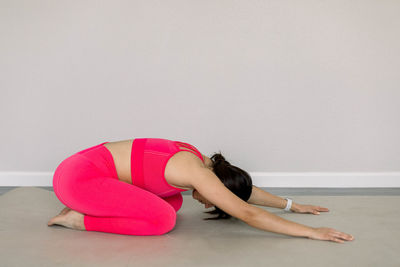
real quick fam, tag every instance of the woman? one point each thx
(134, 187)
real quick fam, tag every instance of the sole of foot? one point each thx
(69, 218)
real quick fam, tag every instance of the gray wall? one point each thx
(276, 86)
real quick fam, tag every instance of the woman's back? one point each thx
(156, 153)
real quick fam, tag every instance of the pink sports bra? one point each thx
(149, 157)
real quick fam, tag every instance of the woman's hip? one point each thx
(71, 174)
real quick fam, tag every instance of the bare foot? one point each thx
(69, 218)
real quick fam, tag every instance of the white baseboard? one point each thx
(261, 179)
(326, 179)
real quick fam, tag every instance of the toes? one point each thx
(55, 219)
(51, 222)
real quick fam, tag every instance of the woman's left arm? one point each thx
(263, 198)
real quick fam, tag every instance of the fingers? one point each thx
(336, 240)
(322, 208)
(317, 209)
(340, 237)
(331, 234)
(345, 236)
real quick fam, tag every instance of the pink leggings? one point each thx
(87, 182)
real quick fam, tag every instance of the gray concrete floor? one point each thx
(372, 216)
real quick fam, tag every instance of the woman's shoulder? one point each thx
(181, 167)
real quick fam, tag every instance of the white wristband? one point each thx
(289, 204)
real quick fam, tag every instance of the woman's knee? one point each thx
(165, 221)
(175, 201)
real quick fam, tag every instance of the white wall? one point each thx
(276, 86)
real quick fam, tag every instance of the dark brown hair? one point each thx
(235, 179)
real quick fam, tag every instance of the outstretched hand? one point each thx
(299, 208)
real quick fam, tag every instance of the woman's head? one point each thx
(235, 179)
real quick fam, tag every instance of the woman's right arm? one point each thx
(267, 221)
(209, 186)
(270, 222)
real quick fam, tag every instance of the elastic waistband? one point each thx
(101, 157)
(90, 148)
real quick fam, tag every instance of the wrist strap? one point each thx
(289, 204)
